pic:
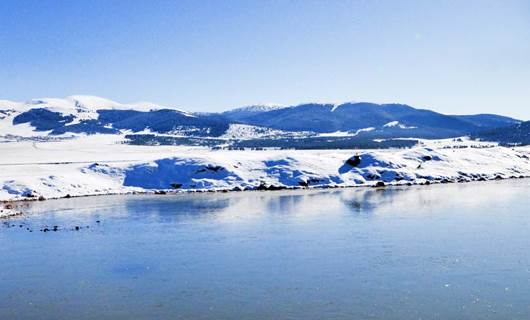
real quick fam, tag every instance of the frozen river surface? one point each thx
(456, 251)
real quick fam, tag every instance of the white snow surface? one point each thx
(102, 164)
(81, 107)
(245, 131)
(335, 106)
(258, 108)
(80, 103)
(393, 124)
(346, 133)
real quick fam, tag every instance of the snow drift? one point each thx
(101, 165)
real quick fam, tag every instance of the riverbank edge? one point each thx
(13, 208)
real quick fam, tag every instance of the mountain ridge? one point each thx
(90, 114)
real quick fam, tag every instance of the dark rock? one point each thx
(210, 168)
(176, 185)
(303, 183)
(380, 184)
(354, 161)
(262, 187)
(372, 176)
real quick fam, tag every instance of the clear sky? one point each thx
(450, 56)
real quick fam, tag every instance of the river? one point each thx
(424, 252)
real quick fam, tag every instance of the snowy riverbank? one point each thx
(98, 165)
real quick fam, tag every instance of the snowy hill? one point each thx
(50, 118)
(101, 164)
(90, 115)
(144, 147)
(326, 118)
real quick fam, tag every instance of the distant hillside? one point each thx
(90, 115)
(488, 120)
(345, 124)
(354, 116)
(245, 112)
(518, 134)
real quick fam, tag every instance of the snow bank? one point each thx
(8, 210)
(101, 165)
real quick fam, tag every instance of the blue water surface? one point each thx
(456, 251)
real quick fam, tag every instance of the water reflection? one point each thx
(252, 205)
(396, 253)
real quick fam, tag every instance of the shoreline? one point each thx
(12, 208)
(95, 166)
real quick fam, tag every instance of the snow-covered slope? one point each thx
(352, 116)
(101, 165)
(89, 115)
(397, 124)
(244, 112)
(245, 131)
(52, 118)
(82, 107)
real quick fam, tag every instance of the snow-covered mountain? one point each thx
(90, 115)
(52, 117)
(324, 118)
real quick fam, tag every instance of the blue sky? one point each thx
(450, 56)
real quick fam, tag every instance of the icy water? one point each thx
(437, 252)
